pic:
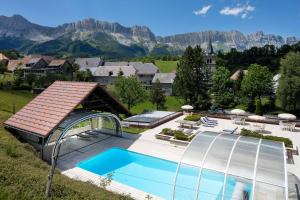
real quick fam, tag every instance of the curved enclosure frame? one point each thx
(80, 130)
(227, 166)
(91, 131)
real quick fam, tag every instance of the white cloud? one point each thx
(239, 10)
(203, 10)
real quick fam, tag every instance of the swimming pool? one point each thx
(156, 176)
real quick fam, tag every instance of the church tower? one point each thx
(210, 56)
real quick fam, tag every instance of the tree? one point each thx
(157, 95)
(3, 67)
(129, 90)
(85, 76)
(257, 83)
(192, 78)
(30, 79)
(222, 87)
(288, 93)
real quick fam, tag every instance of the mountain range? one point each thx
(90, 37)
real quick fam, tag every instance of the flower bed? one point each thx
(175, 136)
(194, 117)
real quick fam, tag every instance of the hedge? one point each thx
(195, 117)
(287, 142)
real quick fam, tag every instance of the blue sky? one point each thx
(166, 17)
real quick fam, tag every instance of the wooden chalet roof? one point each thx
(51, 107)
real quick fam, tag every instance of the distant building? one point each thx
(89, 63)
(106, 72)
(59, 66)
(18, 64)
(35, 66)
(210, 57)
(145, 72)
(3, 57)
(3, 60)
(166, 81)
(106, 75)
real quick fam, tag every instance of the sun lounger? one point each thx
(228, 131)
(210, 120)
(204, 123)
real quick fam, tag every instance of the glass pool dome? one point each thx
(226, 166)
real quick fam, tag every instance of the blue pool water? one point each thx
(156, 176)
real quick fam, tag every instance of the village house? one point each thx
(3, 58)
(88, 63)
(106, 72)
(145, 72)
(35, 66)
(106, 75)
(166, 81)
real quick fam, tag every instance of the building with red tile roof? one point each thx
(40, 117)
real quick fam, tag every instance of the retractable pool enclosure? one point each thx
(226, 166)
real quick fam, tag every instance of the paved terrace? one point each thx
(146, 143)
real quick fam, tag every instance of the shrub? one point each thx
(248, 133)
(194, 117)
(167, 131)
(287, 142)
(11, 150)
(179, 135)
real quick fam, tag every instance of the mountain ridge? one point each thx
(114, 39)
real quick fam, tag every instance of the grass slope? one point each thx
(166, 66)
(23, 175)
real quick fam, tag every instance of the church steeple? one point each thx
(209, 49)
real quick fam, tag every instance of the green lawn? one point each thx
(166, 66)
(23, 175)
(172, 104)
(10, 97)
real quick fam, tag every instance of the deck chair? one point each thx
(204, 123)
(210, 120)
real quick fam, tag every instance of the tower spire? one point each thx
(210, 49)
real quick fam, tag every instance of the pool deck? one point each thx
(146, 143)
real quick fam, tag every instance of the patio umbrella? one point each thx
(256, 117)
(237, 111)
(187, 107)
(286, 116)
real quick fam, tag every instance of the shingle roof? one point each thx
(14, 64)
(51, 107)
(33, 60)
(85, 63)
(47, 110)
(164, 77)
(18, 64)
(114, 71)
(57, 63)
(116, 63)
(144, 68)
